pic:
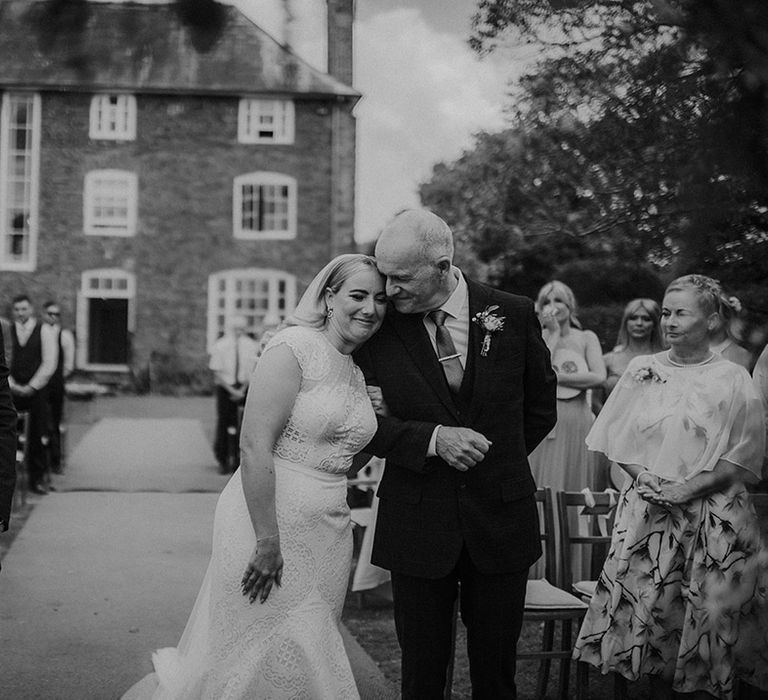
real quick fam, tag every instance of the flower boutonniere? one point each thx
(647, 375)
(490, 323)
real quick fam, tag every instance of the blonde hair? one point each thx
(708, 291)
(653, 309)
(563, 290)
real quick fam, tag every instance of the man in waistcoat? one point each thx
(469, 391)
(65, 342)
(35, 355)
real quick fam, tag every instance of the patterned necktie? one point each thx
(446, 351)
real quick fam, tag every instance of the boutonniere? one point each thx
(490, 323)
(647, 375)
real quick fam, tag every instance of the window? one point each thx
(110, 203)
(264, 206)
(19, 180)
(265, 121)
(113, 117)
(263, 297)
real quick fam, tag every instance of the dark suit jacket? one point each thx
(7, 442)
(428, 510)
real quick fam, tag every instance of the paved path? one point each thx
(103, 572)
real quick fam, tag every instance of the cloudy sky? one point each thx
(425, 93)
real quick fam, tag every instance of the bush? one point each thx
(604, 320)
(606, 281)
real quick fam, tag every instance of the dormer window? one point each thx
(113, 117)
(265, 121)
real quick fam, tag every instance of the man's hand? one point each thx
(461, 448)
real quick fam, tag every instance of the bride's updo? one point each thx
(312, 310)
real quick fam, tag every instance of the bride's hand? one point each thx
(377, 399)
(264, 570)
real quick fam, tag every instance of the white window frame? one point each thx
(225, 300)
(104, 283)
(27, 161)
(255, 115)
(94, 225)
(268, 180)
(113, 117)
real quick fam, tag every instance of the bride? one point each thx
(265, 623)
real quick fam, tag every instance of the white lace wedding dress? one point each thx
(290, 646)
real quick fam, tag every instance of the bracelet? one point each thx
(645, 471)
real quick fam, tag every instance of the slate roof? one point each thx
(83, 46)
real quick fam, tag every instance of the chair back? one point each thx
(545, 504)
(598, 509)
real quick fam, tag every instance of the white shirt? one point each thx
(67, 342)
(50, 350)
(223, 358)
(457, 323)
(457, 320)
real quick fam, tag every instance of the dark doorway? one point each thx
(108, 331)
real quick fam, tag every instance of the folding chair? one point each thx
(598, 509)
(22, 461)
(545, 602)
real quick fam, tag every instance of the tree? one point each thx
(642, 135)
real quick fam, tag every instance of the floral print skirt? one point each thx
(683, 594)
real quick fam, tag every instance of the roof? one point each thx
(88, 46)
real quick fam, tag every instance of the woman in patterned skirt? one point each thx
(682, 597)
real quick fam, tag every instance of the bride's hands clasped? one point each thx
(264, 570)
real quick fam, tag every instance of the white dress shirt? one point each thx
(223, 359)
(456, 307)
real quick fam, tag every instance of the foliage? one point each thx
(640, 135)
(610, 281)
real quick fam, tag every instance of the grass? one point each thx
(371, 624)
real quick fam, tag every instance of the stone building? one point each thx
(164, 167)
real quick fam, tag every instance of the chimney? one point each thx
(341, 14)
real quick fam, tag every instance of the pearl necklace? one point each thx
(689, 364)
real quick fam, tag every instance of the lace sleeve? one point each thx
(305, 344)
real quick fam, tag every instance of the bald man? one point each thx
(466, 403)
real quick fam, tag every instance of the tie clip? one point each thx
(448, 357)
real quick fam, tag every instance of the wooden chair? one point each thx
(546, 602)
(598, 509)
(22, 461)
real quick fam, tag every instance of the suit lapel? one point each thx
(478, 367)
(410, 328)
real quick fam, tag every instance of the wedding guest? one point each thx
(232, 360)
(639, 334)
(7, 442)
(266, 621)
(35, 355)
(561, 461)
(7, 330)
(722, 338)
(55, 391)
(682, 595)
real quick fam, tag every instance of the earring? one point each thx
(329, 314)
